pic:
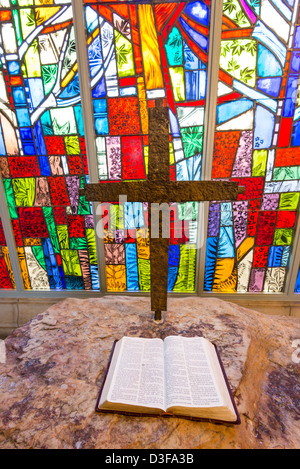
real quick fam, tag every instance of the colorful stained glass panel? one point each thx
(6, 274)
(250, 241)
(297, 287)
(139, 52)
(42, 147)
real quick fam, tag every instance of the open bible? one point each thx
(177, 376)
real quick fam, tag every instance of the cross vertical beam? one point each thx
(158, 173)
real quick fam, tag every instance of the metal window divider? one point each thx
(89, 127)
(10, 240)
(216, 15)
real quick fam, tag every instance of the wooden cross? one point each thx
(160, 189)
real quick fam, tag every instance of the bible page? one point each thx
(189, 377)
(139, 373)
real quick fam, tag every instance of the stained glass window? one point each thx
(297, 287)
(250, 241)
(6, 274)
(42, 146)
(138, 53)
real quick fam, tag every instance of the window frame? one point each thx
(208, 148)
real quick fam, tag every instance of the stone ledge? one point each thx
(16, 312)
(56, 363)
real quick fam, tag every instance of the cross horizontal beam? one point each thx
(170, 191)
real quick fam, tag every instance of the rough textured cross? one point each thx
(158, 189)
